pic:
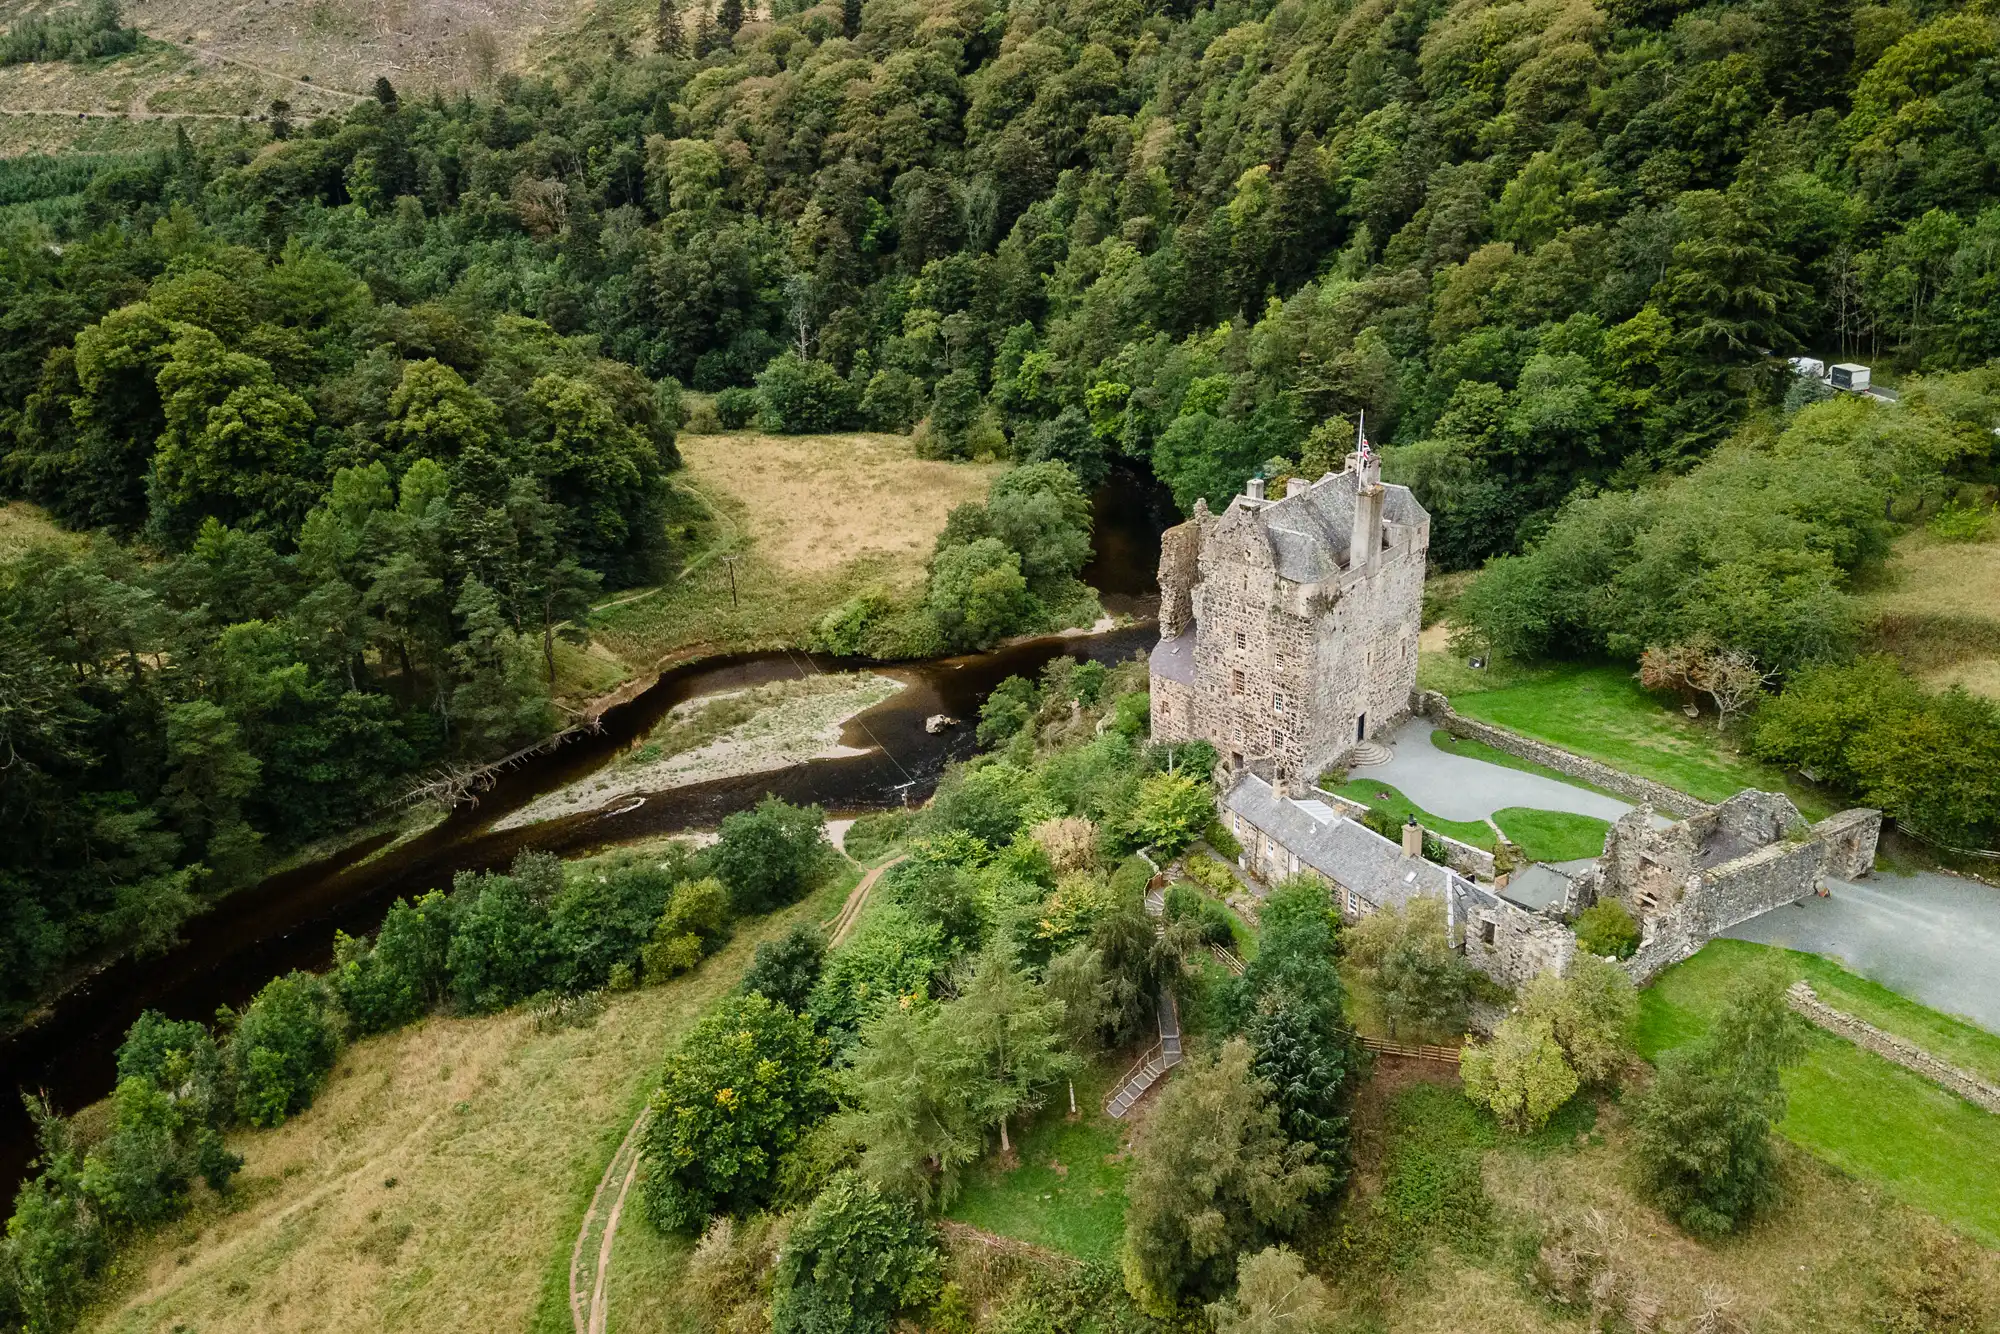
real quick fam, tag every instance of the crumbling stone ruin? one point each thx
(1288, 626)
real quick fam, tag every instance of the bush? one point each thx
(282, 1048)
(977, 594)
(770, 855)
(735, 408)
(1520, 1076)
(742, 1088)
(403, 973)
(601, 921)
(1173, 809)
(1962, 523)
(893, 400)
(801, 396)
(501, 951)
(695, 921)
(856, 1260)
(1606, 928)
(787, 969)
(1217, 836)
(872, 836)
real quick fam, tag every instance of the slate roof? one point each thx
(1173, 658)
(1308, 533)
(1348, 853)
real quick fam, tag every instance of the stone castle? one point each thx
(1288, 627)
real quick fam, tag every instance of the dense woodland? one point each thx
(369, 407)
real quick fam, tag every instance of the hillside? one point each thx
(1936, 607)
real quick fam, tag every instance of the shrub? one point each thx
(872, 836)
(986, 802)
(1009, 709)
(695, 921)
(801, 396)
(736, 407)
(1606, 928)
(1173, 809)
(1217, 836)
(770, 855)
(850, 629)
(404, 972)
(282, 1048)
(787, 969)
(601, 921)
(1593, 1014)
(1962, 523)
(977, 594)
(738, 1092)
(856, 1260)
(500, 949)
(1520, 1076)
(893, 400)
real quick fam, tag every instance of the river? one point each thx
(288, 920)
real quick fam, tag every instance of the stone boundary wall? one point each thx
(1890, 1047)
(1640, 791)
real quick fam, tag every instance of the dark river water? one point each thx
(288, 921)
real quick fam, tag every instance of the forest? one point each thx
(363, 412)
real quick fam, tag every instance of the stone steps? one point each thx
(1368, 753)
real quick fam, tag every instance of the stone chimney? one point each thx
(1413, 838)
(1296, 486)
(1254, 488)
(1365, 542)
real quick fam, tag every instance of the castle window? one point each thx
(1486, 932)
(1242, 640)
(1278, 702)
(1236, 681)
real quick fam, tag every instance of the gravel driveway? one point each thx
(1932, 937)
(1459, 787)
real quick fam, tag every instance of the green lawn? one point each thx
(1392, 803)
(1068, 1193)
(1544, 836)
(1601, 712)
(1553, 836)
(1866, 1116)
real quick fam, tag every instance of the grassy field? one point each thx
(1544, 836)
(438, 1181)
(23, 527)
(808, 521)
(1066, 1190)
(1600, 711)
(1864, 1115)
(1936, 607)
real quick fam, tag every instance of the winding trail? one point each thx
(590, 1266)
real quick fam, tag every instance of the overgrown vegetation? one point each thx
(494, 941)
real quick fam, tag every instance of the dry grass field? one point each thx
(812, 504)
(1937, 609)
(798, 524)
(24, 527)
(436, 1184)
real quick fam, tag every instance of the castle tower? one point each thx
(1288, 626)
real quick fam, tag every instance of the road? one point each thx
(1458, 787)
(1934, 938)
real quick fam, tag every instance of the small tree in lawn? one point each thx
(1274, 1295)
(1076, 978)
(1173, 809)
(1521, 1076)
(1705, 1123)
(1012, 1031)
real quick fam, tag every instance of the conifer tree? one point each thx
(668, 38)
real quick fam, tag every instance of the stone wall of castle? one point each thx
(1911, 1057)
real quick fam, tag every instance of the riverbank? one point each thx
(431, 1183)
(726, 735)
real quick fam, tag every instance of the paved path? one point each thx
(1934, 938)
(1458, 787)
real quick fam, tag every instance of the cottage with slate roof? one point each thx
(1288, 628)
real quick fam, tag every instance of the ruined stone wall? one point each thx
(1850, 838)
(1759, 817)
(1180, 567)
(1890, 1047)
(1523, 944)
(1639, 791)
(1755, 883)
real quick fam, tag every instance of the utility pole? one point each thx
(730, 561)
